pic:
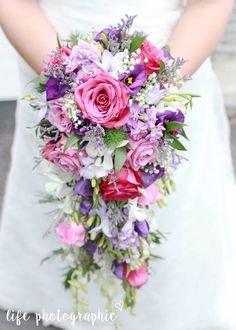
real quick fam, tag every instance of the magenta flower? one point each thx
(137, 277)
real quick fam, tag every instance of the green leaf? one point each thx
(173, 125)
(72, 140)
(58, 41)
(183, 133)
(104, 39)
(136, 43)
(162, 67)
(120, 158)
(176, 144)
(68, 278)
(114, 137)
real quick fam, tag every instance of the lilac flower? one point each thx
(83, 188)
(111, 34)
(85, 206)
(134, 79)
(119, 270)
(151, 174)
(156, 94)
(55, 89)
(143, 124)
(142, 228)
(82, 54)
(125, 239)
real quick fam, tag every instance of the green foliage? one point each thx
(72, 140)
(120, 158)
(173, 125)
(114, 137)
(176, 144)
(40, 82)
(136, 43)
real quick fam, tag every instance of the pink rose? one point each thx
(150, 196)
(103, 100)
(68, 161)
(57, 116)
(143, 153)
(137, 277)
(150, 57)
(71, 233)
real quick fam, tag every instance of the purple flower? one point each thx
(110, 34)
(91, 247)
(169, 115)
(119, 269)
(125, 239)
(85, 206)
(55, 89)
(134, 79)
(83, 188)
(142, 228)
(150, 177)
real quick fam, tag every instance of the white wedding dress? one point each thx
(194, 286)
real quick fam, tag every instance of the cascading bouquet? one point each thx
(110, 121)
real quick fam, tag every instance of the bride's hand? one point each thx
(28, 29)
(198, 31)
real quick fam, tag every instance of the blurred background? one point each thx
(224, 61)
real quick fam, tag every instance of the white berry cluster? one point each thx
(129, 61)
(71, 109)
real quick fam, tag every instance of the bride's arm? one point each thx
(198, 31)
(28, 29)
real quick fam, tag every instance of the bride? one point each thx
(193, 287)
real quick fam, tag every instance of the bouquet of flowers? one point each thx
(110, 121)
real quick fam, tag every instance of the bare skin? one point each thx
(194, 38)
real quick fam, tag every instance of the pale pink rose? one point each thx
(137, 277)
(143, 153)
(57, 116)
(103, 100)
(68, 161)
(71, 233)
(150, 195)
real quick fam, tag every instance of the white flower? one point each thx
(111, 63)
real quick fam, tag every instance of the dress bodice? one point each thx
(155, 17)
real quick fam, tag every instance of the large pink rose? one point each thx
(137, 277)
(57, 116)
(143, 153)
(103, 100)
(71, 233)
(150, 57)
(68, 161)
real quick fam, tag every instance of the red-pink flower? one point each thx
(142, 153)
(150, 57)
(71, 233)
(126, 186)
(57, 58)
(103, 100)
(137, 277)
(68, 161)
(57, 116)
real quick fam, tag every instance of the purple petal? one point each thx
(83, 188)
